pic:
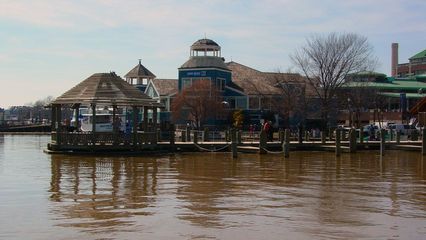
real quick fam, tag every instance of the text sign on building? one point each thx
(196, 74)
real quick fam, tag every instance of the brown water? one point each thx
(209, 196)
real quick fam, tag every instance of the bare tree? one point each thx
(282, 93)
(326, 61)
(199, 102)
(291, 94)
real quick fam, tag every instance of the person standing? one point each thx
(267, 129)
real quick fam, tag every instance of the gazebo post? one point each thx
(53, 123)
(93, 124)
(76, 114)
(145, 118)
(135, 126)
(58, 124)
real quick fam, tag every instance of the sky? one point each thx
(48, 46)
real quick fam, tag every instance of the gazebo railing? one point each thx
(81, 139)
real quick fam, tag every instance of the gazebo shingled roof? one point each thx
(205, 44)
(105, 88)
(139, 71)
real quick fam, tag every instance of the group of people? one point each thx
(266, 127)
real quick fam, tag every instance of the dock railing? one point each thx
(82, 139)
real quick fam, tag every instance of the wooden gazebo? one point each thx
(105, 90)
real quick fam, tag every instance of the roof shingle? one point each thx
(105, 88)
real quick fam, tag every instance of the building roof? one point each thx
(368, 74)
(205, 44)
(105, 88)
(166, 87)
(139, 71)
(421, 54)
(395, 85)
(205, 62)
(254, 82)
(420, 106)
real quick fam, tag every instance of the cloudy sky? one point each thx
(48, 46)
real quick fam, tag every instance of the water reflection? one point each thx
(100, 193)
(309, 194)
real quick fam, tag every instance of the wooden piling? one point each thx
(382, 142)
(286, 143)
(206, 135)
(414, 136)
(352, 140)
(158, 135)
(172, 138)
(183, 136)
(338, 135)
(262, 142)
(188, 134)
(323, 137)
(423, 141)
(195, 137)
(299, 135)
(398, 137)
(234, 143)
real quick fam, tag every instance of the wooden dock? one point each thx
(149, 142)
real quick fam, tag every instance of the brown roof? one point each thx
(205, 62)
(420, 106)
(255, 82)
(139, 72)
(166, 87)
(105, 88)
(205, 45)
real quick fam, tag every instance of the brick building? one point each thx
(415, 66)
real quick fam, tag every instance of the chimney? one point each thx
(394, 64)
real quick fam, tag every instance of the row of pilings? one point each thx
(352, 141)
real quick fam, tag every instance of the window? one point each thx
(254, 103)
(165, 102)
(265, 102)
(187, 82)
(151, 92)
(220, 83)
(240, 102)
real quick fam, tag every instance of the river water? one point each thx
(311, 195)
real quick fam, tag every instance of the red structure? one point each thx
(415, 66)
(394, 64)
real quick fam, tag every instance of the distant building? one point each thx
(163, 90)
(394, 96)
(415, 66)
(2, 113)
(139, 76)
(259, 94)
